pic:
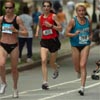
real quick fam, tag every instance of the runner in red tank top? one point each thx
(49, 40)
(45, 34)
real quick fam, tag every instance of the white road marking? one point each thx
(35, 90)
(68, 92)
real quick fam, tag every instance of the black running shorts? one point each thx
(51, 44)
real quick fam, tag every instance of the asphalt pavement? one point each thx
(65, 87)
(64, 51)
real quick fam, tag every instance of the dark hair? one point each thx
(12, 2)
(47, 1)
(52, 11)
(25, 10)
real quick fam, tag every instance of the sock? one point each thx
(82, 88)
(45, 82)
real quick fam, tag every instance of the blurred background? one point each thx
(93, 7)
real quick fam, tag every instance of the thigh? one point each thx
(53, 57)
(44, 53)
(14, 57)
(3, 56)
(75, 56)
(84, 54)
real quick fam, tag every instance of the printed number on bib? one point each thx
(47, 32)
(83, 39)
(6, 28)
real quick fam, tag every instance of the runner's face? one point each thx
(9, 7)
(46, 7)
(81, 11)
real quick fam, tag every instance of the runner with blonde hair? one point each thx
(80, 32)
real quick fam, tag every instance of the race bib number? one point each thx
(83, 38)
(47, 32)
(6, 28)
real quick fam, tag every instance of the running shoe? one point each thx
(29, 60)
(15, 94)
(55, 74)
(2, 88)
(19, 60)
(45, 86)
(81, 92)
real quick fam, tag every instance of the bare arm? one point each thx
(69, 27)
(57, 26)
(91, 33)
(23, 30)
(38, 28)
(0, 22)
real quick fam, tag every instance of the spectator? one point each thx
(71, 7)
(27, 20)
(96, 34)
(62, 20)
(35, 16)
(56, 6)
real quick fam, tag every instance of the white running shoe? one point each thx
(29, 60)
(2, 88)
(81, 91)
(15, 94)
(19, 60)
(55, 74)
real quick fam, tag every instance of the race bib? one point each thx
(6, 28)
(83, 38)
(47, 32)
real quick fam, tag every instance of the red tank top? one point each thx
(48, 33)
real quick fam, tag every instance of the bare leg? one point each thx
(14, 63)
(3, 56)
(53, 60)
(44, 53)
(76, 59)
(83, 62)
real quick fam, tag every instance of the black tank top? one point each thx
(13, 22)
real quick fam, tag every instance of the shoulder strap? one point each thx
(15, 19)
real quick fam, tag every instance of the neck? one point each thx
(81, 18)
(46, 14)
(10, 15)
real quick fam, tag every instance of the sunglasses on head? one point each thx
(8, 7)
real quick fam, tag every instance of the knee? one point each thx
(14, 70)
(82, 65)
(2, 64)
(44, 61)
